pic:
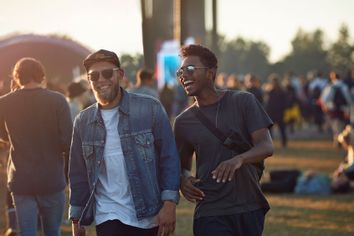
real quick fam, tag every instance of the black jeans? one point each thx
(117, 228)
(242, 224)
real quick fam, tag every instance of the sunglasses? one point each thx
(94, 76)
(189, 70)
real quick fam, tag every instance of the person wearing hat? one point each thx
(124, 165)
(76, 98)
(145, 83)
(37, 125)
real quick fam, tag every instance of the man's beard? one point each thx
(108, 98)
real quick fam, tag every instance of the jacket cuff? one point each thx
(75, 212)
(170, 195)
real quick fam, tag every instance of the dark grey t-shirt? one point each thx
(38, 125)
(236, 111)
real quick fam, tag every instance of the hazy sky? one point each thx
(116, 24)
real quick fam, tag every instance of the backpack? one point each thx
(316, 93)
(338, 99)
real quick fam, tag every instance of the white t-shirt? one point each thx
(113, 195)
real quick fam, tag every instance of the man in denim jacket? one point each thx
(124, 167)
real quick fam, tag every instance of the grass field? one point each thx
(290, 214)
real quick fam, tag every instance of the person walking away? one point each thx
(77, 98)
(145, 83)
(37, 125)
(336, 102)
(276, 103)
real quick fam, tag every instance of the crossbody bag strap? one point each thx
(225, 140)
(207, 123)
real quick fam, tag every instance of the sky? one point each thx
(116, 24)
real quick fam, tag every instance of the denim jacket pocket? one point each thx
(145, 146)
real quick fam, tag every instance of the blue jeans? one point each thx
(50, 208)
(242, 224)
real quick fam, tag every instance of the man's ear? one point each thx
(121, 73)
(211, 74)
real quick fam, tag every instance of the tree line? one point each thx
(309, 51)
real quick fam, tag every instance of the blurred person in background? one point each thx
(316, 87)
(349, 81)
(336, 101)
(11, 220)
(181, 100)
(37, 125)
(233, 83)
(77, 98)
(167, 98)
(276, 104)
(145, 83)
(220, 81)
(305, 105)
(292, 113)
(253, 86)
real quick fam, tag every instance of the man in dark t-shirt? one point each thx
(226, 186)
(37, 125)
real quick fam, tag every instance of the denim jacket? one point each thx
(149, 149)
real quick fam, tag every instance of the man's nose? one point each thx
(100, 76)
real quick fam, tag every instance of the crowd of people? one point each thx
(124, 162)
(292, 101)
(297, 101)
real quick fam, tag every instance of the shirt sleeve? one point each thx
(169, 165)
(3, 132)
(79, 186)
(254, 114)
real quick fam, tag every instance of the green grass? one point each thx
(290, 214)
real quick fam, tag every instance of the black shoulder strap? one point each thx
(207, 123)
(225, 140)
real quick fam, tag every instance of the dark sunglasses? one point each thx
(189, 70)
(106, 74)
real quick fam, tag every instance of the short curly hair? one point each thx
(206, 56)
(28, 69)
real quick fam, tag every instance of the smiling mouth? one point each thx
(104, 87)
(188, 83)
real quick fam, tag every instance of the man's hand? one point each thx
(77, 230)
(189, 191)
(167, 219)
(226, 169)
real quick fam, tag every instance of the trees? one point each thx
(242, 56)
(341, 53)
(307, 53)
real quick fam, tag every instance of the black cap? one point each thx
(101, 55)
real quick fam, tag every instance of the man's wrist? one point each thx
(169, 203)
(241, 158)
